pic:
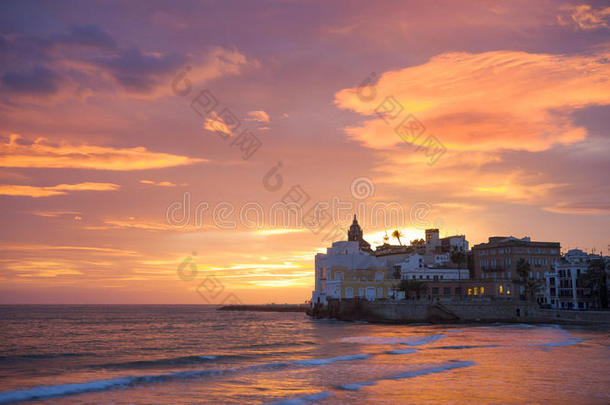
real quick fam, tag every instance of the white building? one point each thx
(413, 268)
(562, 289)
(344, 255)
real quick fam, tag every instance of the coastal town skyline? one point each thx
(480, 119)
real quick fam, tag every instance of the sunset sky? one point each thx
(99, 140)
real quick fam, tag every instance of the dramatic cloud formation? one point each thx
(86, 58)
(489, 101)
(584, 17)
(40, 80)
(518, 93)
(40, 153)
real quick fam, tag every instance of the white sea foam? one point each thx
(356, 386)
(320, 362)
(44, 392)
(405, 351)
(393, 340)
(410, 374)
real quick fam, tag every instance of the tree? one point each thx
(396, 234)
(416, 286)
(458, 257)
(420, 242)
(530, 285)
(595, 280)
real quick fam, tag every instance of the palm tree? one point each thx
(396, 234)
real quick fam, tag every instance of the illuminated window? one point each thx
(501, 289)
(476, 291)
(482, 290)
(507, 292)
(470, 291)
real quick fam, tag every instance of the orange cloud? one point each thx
(591, 208)
(463, 176)
(488, 101)
(159, 183)
(258, 116)
(56, 214)
(215, 123)
(36, 192)
(64, 155)
(584, 17)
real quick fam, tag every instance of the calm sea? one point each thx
(195, 354)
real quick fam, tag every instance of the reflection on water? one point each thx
(186, 354)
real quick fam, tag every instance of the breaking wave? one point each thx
(404, 351)
(175, 361)
(410, 374)
(45, 392)
(320, 362)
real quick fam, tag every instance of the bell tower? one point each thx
(355, 232)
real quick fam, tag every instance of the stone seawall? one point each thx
(455, 311)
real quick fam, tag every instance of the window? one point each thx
(476, 291)
(501, 289)
(349, 292)
(458, 291)
(379, 292)
(434, 290)
(470, 291)
(435, 278)
(482, 290)
(446, 291)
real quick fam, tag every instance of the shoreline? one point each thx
(266, 308)
(455, 312)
